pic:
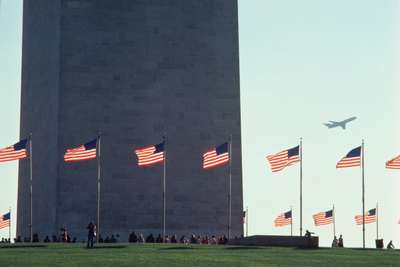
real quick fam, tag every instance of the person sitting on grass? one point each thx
(159, 239)
(141, 238)
(390, 245)
(35, 238)
(133, 238)
(193, 239)
(173, 239)
(150, 239)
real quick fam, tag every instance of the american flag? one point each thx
(150, 155)
(83, 152)
(283, 219)
(370, 217)
(284, 158)
(14, 152)
(323, 218)
(393, 163)
(352, 159)
(216, 156)
(5, 220)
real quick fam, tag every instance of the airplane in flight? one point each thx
(333, 124)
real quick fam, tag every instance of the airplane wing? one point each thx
(329, 125)
(349, 120)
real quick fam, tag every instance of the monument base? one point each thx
(277, 241)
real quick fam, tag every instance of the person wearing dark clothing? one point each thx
(340, 242)
(150, 239)
(308, 234)
(91, 234)
(133, 238)
(390, 245)
(173, 239)
(193, 239)
(35, 238)
(159, 239)
(47, 239)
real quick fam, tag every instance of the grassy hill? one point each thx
(153, 255)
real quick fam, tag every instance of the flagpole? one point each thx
(291, 221)
(98, 148)
(334, 221)
(30, 190)
(230, 188)
(247, 221)
(9, 228)
(301, 186)
(363, 191)
(377, 222)
(164, 185)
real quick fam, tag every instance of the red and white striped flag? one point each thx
(393, 163)
(216, 156)
(370, 217)
(284, 158)
(5, 220)
(323, 218)
(14, 152)
(283, 219)
(352, 159)
(82, 152)
(150, 155)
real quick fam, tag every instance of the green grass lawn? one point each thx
(154, 255)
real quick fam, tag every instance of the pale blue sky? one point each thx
(302, 63)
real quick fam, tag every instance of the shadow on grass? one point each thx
(176, 248)
(23, 246)
(106, 247)
(375, 249)
(245, 247)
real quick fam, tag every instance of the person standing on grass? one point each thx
(91, 234)
(335, 242)
(340, 243)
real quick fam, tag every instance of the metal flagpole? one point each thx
(30, 190)
(247, 221)
(164, 185)
(230, 188)
(9, 228)
(363, 191)
(291, 221)
(301, 186)
(377, 222)
(98, 147)
(334, 221)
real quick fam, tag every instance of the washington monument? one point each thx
(134, 70)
